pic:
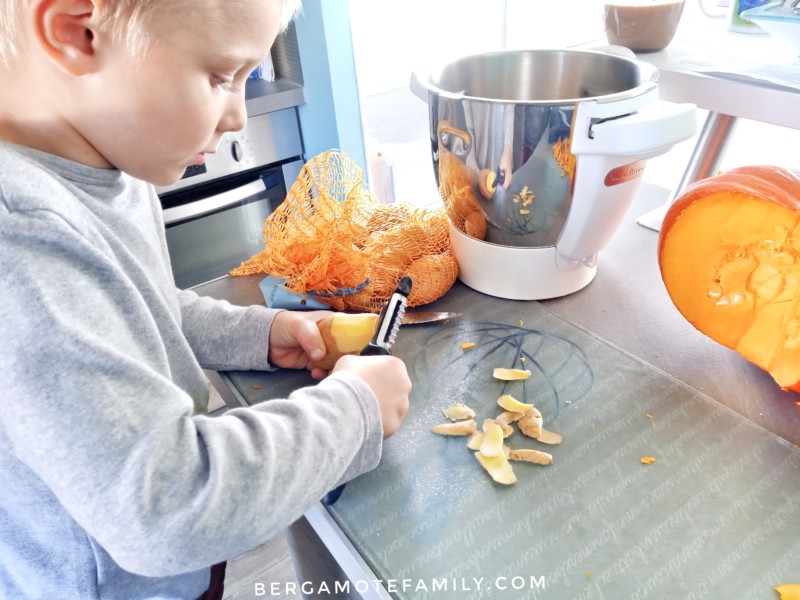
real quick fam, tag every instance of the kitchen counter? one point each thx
(627, 305)
(698, 66)
(622, 376)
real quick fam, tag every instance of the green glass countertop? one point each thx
(716, 515)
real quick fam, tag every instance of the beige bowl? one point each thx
(642, 25)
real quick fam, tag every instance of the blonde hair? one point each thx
(128, 20)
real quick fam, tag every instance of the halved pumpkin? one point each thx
(729, 254)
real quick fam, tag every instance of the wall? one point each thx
(393, 38)
(331, 116)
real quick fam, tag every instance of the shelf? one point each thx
(268, 96)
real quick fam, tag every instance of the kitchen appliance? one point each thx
(543, 151)
(215, 214)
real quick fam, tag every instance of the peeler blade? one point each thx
(391, 317)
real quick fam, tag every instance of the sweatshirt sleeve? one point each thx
(92, 410)
(224, 337)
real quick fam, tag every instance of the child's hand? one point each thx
(388, 378)
(295, 341)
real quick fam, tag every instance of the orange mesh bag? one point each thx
(333, 240)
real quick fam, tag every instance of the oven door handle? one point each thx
(213, 203)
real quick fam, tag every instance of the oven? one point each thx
(215, 214)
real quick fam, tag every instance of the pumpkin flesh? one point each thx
(730, 258)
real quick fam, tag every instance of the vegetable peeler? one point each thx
(389, 321)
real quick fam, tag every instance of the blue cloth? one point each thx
(277, 296)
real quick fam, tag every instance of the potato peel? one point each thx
(458, 411)
(492, 443)
(467, 427)
(507, 417)
(532, 456)
(511, 374)
(511, 404)
(531, 424)
(475, 440)
(498, 468)
(487, 445)
(507, 429)
(550, 437)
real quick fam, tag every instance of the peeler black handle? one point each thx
(374, 350)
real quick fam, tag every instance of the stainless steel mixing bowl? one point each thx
(503, 124)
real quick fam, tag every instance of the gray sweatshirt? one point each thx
(115, 484)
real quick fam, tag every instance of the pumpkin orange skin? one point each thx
(729, 255)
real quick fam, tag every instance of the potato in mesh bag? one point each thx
(332, 239)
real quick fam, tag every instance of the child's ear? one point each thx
(65, 30)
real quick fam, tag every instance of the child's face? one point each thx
(156, 114)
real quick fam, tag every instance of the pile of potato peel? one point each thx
(490, 451)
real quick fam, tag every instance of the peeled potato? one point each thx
(491, 179)
(345, 334)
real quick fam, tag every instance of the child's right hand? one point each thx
(388, 378)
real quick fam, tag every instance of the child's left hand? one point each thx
(295, 341)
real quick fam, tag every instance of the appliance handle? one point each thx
(213, 203)
(609, 168)
(604, 189)
(648, 132)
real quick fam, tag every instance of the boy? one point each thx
(115, 485)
